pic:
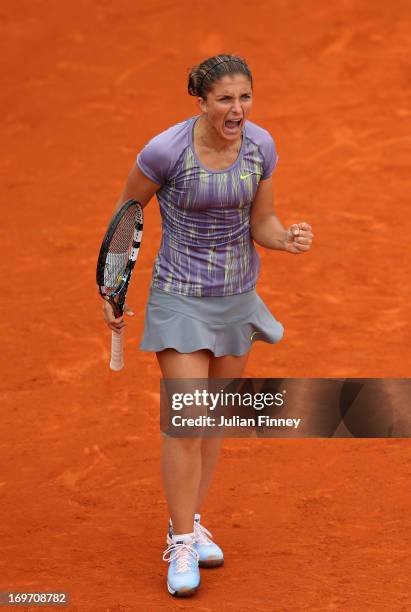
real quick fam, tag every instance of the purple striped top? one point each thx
(206, 247)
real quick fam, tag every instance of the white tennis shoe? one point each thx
(210, 554)
(183, 577)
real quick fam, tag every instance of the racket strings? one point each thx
(119, 251)
(123, 234)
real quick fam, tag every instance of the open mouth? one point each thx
(232, 125)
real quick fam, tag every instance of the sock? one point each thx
(197, 517)
(187, 538)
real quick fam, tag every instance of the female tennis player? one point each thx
(212, 174)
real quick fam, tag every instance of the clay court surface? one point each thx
(313, 524)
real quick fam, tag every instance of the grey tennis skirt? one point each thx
(226, 325)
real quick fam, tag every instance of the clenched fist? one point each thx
(299, 238)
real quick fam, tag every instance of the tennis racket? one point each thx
(116, 260)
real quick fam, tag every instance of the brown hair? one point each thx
(202, 76)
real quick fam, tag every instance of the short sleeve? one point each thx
(153, 161)
(270, 156)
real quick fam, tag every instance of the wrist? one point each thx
(281, 241)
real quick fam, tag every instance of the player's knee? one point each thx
(183, 444)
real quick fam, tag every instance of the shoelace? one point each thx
(181, 553)
(202, 535)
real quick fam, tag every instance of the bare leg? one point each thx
(181, 457)
(227, 366)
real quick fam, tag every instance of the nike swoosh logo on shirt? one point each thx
(244, 176)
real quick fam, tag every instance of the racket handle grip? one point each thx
(117, 351)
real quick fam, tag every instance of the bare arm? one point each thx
(137, 187)
(267, 230)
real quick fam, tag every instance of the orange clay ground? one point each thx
(313, 524)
